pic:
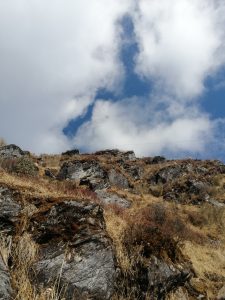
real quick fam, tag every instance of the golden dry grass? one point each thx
(208, 260)
(209, 265)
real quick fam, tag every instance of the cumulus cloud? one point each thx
(129, 124)
(54, 55)
(181, 43)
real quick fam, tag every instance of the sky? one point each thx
(146, 75)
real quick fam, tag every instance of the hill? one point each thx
(109, 225)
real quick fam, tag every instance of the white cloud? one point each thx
(128, 125)
(54, 55)
(181, 43)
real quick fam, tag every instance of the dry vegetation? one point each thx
(150, 226)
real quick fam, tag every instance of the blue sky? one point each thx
(151, 79)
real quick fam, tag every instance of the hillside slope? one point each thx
(109, 225)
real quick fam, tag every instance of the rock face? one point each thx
(87, 172)
(91, 174)
(11, 151)
(166, 174)
(9, 210)
(164, 278)
(9, 215)
(118, 179)
(71, 152)
(110, 198)
(75, 250)
(5, 286)
(134, 171)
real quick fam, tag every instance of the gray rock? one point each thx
(127, 155)
(71, 152)
(11, 151)
(81, 169)
(87, 271)
(89, 173)
(154, 160)
(214, 202)
(110, 198)
(196, 186)
(134, 171)
(111, 152)
(166, 174)
(118, 179)
(5, 286)
(9, 210)
(75, 250)
(164, 278)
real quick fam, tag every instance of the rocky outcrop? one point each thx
(127, 155)
(187, 182)
(71, 152)
(118, 179)
(88, 173)
(164, 278)
(167, 174)
(11, 151)
(108, 198)
(75, 250)
(9, 216)
(154, 160)
(92, 174)
(9, 210)
(5, 286)
(134, 171)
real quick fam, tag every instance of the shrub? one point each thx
(21, 165)
(158, 230)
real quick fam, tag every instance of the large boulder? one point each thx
(164, 278)
(87, 172)
(11, 151)
(134, 171)
(5, 286)
(166, 174)
(9, 210)
(75, 250)
(118, 179)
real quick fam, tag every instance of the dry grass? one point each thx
(209, 264)
(43, 188)
(24, 251)
(2, 142)
(129, 229)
